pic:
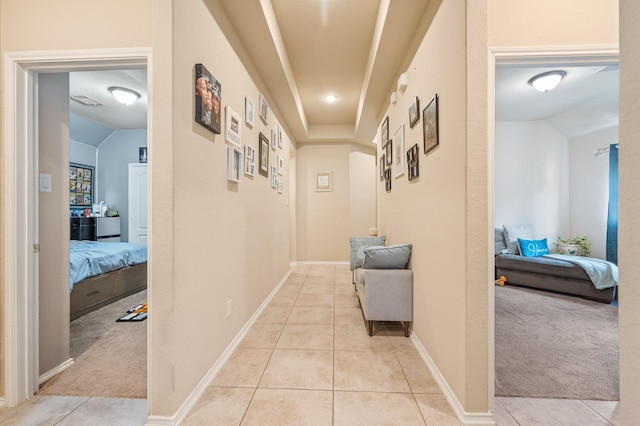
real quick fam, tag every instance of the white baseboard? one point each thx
(1, 401)
(470, 419)
(55, 371)
(320, 262)
(191, 400)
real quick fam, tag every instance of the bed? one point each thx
(101, 273)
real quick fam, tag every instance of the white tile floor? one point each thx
(309, 361)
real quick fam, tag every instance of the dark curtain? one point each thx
(612, 214)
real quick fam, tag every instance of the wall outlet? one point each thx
(228, 308)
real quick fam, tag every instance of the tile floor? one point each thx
(309, 361)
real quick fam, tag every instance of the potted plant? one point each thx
(575, 246)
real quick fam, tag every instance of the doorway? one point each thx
(20, 209)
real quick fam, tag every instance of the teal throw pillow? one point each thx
(533, 248)
(358, 244)
(390, 257)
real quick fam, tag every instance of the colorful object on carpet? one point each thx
(500, 281)
(137, 313)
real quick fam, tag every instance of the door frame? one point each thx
(568, 55)
(19, 265)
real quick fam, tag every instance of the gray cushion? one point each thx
(358, 244)
(391, 257)
(500, 244)
(513, 232)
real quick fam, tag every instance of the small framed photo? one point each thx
(274, 140)
(233, 130)
(280, 165)
(234, 164)
(323, 182)
(208, 98)
(398, 155)
(263, 107)
(248, 111)
(279, 136)
(384, 132)
(249, 160)
(430, 125)
(414, 112)
(388, 153)
(264, 155)
(274, 177)
(383, 165)
(387, 179)
(412, 162)
(142, 154)
(280, 187)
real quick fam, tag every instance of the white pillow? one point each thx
(513, 232)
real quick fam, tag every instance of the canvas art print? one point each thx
(208, 97)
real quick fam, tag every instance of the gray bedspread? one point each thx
(603, 274)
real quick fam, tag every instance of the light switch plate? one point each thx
(45, 182)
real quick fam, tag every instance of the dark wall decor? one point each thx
(414, 112)
(387, 179)
(208, 97)
(263, 155)
(80, 185)
(383, 164)
(430, 125)
(412, 162)
(384, 132)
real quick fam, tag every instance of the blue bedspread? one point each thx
(90, 258)
(603, 274)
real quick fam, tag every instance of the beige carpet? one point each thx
(110, 357)
(554, 346)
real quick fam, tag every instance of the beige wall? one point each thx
(326, 220)
(629, 205)
(53, 104)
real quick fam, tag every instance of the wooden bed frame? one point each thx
(96, 292)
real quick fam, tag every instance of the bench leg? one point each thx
(407, 328)
(370, 328)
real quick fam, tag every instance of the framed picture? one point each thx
(263, 109)
(248, 111)
(142, 154)
(280, 165)
(430, 125)
(412, 162)
(80, 185)
(208, 98)
(274, 177)
(387, 179)
(384, 132)
(414, 112)
(388, 153)
(398, 155)
(279, 136)
(233, 129)
(323, 182)
(280, 187)
(234, 164)
(383, 164)
(264, 155)
(274, 140)
(249, 160)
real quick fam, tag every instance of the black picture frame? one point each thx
(263, 166)
(414, 112)
(413, 162)
(384, 132)
(81, 179)
(383, 165)
(388, 153)
(208, 99)
(387, 179)
(142, 154)
(430, 125)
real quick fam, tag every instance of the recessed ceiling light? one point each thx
(547, 80)
(331, 98)
(124, 96)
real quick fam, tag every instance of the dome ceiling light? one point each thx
(547, 81)
(124, 96)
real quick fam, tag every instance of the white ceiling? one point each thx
(299, 51)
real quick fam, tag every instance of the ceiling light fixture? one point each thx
(331, 98)
(547, 81)
(124, 96)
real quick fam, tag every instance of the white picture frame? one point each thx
(274, 140)
(398, 152)
(280, 187)
(234, 164)
(249, 160)
(280, 165)
(322, 182)
(248, 111)
(274, 177)
(279, 136)
(233, 127)
(263, 109)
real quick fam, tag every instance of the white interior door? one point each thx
(138, 190)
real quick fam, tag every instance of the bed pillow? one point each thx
(499, 245)
(358, 245)
(533, 248)
(391, 257)
(513, 232)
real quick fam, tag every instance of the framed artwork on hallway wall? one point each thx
(384, 132)
(387, 179)
(414, 112)
(248, 111)
(233, 128)
(412, 162)
(263, 109)
(383, 164)
(264, 155)
(249, 160)
(323, 182)
(208, 98)
(430, 125)
(234, 164)
(398, 155)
